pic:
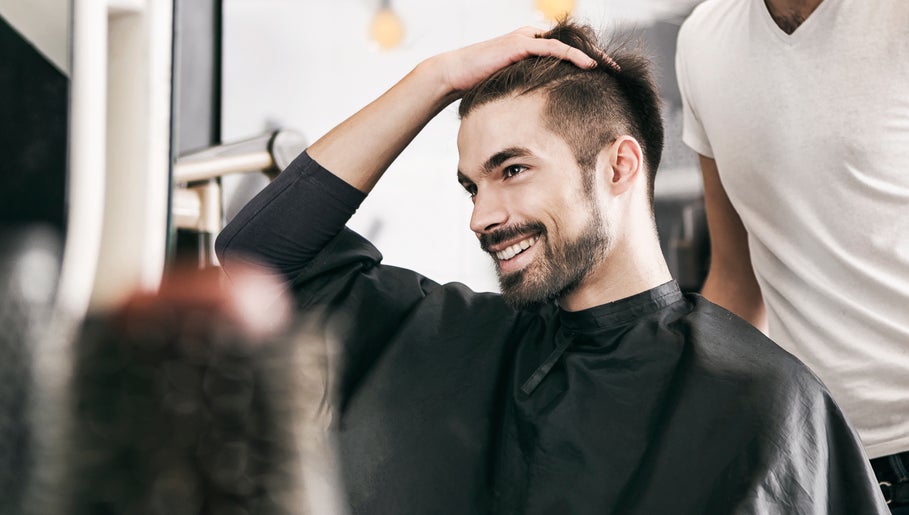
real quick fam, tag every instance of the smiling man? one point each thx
(591, 384)
(527, 191)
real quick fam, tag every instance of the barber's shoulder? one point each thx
(710, 20)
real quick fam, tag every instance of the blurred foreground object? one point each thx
(29, 268)
(196, 401)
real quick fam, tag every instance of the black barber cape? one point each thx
(450, 402)
(660, 403)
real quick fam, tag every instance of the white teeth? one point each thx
(514, 250)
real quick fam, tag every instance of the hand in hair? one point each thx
(464, 68)
(353, 152)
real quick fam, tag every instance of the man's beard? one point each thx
(558, 268)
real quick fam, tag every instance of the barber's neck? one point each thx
(790, 14)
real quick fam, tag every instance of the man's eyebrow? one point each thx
(503, 155)
(495, 161)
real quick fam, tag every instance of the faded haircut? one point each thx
(588, 108)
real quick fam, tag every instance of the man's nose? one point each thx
(489, 212)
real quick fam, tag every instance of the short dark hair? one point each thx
(589, 108)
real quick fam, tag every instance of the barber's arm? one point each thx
(361, 148)
(730, 281)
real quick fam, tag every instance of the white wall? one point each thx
(308, 64)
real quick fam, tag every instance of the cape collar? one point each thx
(622, 311)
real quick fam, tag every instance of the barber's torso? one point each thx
(810, 132)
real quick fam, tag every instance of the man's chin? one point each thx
(517, 293)
(519, 302)
(520, 291)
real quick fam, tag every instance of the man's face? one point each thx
(533, 212)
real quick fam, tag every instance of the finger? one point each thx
(529, 31)
(555, 48)
(580, 59)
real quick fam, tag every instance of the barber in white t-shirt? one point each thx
(799, 110)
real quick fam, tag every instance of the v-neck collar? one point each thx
(803, 31)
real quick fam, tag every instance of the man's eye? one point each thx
(471, 190)
(511, 171)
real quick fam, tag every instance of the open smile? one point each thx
(513, 250)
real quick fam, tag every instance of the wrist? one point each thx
(434, 79)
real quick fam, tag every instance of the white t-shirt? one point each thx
(810, 133)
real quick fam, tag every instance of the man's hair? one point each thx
(589, 108)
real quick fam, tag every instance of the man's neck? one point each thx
(625, 272)
(790, 14)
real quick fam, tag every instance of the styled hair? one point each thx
(588, 108)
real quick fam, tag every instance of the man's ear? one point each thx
(626, 162)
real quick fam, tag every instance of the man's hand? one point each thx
(464, 68)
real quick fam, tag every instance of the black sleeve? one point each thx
(290, 221)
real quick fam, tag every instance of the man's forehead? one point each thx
(511, 125)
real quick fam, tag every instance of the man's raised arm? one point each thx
(297, 214)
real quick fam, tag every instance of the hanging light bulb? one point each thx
(386, 29)
(555, 9)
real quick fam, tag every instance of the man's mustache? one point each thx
(504, 234)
